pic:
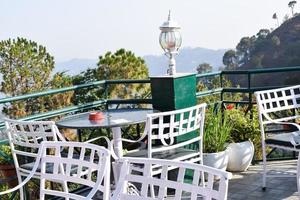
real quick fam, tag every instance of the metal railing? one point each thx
(77, 108)
(244, 90)
(105, 84)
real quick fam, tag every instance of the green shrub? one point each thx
(216, 131)
(5, 155)
(244, 128)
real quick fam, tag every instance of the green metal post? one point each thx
(250, 95)
(221, 85)
(106, 94)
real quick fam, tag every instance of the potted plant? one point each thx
(7, 168)
(244, 133)
(216, 133)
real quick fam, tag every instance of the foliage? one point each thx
(267, 49)
(123, 65)
(244, 127)
(204, 68)
(4, 187)
(216, 131)
(214, 83)
(87, 94)
(5, 154)
(26, 68)
(114, 66)
(244, 49)
(292, 4)
(25, 65)
(58, 101)
(230, 60)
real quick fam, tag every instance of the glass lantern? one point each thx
(170, 41)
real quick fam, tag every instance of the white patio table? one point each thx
(113, 118)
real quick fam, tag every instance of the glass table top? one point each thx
(112, 118)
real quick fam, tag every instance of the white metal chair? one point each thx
(169, 133)
(279, 107)
(92, 169)
(25, 138)
(140, 186)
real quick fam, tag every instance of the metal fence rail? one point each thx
(106, 83)
(76, 108)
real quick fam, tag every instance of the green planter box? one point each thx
(173, 93)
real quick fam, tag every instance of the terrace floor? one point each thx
(247, 185)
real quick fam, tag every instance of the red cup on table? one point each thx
(96, 116)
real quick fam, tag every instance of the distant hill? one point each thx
(280, 48)
(187, 60)
(75, 66)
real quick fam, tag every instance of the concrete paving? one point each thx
(248, 185)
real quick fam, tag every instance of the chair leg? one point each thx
(202, 172)
(298, 175)
(65, 188)
(115, 171)
(264, 167)
(106, 192)
(152, 192)
(22, 194)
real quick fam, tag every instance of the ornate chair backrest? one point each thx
(90, 168)
(278, 105)
(167, 127)
(157, 187)
(25, 138)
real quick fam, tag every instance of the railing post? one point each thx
(106, 94)
(250, 95)
(221, 85)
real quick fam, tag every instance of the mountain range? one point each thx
(187, 61)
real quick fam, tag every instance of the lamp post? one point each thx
(170, 41)
(173, 90)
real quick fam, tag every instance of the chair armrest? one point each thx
(295, 136)
(33, 171)
(98, 138)
(125, 140)
(287, 123)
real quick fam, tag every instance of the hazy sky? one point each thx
(88, 28)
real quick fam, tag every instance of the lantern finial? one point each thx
(170, 41)
(169, 17)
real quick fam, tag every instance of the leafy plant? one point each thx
(26, 67)
(5, 155)
(216, 131)
(244, 127)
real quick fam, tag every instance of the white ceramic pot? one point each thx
(240, 156)
(217, 160)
